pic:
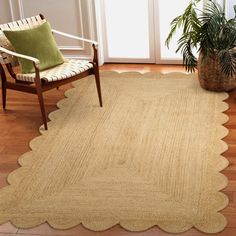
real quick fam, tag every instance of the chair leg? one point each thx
(4, 94)
(4, 87)
(42, 107)
(98, 85)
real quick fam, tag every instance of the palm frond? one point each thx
(211, 33)
(185, 47)
(176, 23)
(188, 21)
(228, 61)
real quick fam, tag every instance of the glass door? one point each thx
(229, 8)
(135, 30)
(164, 15)
(129, 31)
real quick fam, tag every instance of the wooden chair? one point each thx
(39, 82)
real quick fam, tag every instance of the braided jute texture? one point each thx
(151, 156)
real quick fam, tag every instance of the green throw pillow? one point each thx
(37, 42)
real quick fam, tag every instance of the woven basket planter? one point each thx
(211, 78)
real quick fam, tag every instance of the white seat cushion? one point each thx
(69, 68)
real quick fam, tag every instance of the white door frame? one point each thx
(99, 29)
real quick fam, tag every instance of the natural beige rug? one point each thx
(150, 156)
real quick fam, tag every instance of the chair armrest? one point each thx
(74, 37)
(33, 59)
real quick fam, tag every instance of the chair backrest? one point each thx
(27, 23)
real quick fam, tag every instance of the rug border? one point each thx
(10, 177)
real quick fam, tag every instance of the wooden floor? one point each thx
(20, 123)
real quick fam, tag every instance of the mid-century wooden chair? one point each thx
(41, 81)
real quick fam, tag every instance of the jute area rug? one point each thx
(151, 156)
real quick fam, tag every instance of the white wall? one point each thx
(72, 16)
(5, 13)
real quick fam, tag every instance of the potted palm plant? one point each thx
(214, 37)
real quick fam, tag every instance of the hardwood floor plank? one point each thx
(8, 228)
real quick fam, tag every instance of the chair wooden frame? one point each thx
(40, 85)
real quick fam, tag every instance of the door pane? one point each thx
(127, 28)
(230, 8)
(166, 15)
